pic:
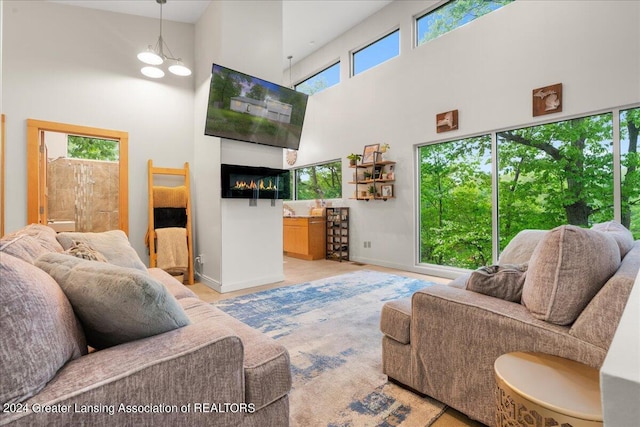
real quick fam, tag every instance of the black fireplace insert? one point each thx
(251, 182)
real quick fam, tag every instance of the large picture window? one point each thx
(555, 174)
(547, 175)
(322, 181)
(630, 170)
(455, 203)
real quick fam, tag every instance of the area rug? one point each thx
(331, 329)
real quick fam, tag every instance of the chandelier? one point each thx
(155, 56)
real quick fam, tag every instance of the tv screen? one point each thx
(250, 109)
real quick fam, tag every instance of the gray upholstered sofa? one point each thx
(574, 282)
(191, 365)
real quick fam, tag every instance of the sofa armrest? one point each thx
(201, 363)
(456, 335)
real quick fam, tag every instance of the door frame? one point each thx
(36, 159)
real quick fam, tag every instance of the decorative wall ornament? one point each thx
(447, 121)
(547, 100)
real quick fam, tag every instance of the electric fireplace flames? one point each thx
(249, 182)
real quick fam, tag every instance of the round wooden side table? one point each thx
(539, 390)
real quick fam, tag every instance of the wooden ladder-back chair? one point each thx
(176, 202)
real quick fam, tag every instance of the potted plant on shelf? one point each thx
(354, 158)
(367, 174)
(383, 149)
(372, 191)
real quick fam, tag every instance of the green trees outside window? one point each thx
(328, 77)
(455, 203)
(451, 15)
(323, 181)
(555, 174)
(548, 175)
(81, 147)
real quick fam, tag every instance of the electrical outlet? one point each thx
(200, 259)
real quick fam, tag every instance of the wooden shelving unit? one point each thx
(337, 234)
(378, 175)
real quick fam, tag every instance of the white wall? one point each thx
(241, 245)
(620, 373)
(486, 69)
(76, 65)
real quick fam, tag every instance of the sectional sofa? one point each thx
(560, 292)
(90, 336)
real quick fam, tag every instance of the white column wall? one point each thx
(486, 70)
(77, 65)
(241, 245)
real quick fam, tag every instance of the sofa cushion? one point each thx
(267, 367)
(175, 288)
(619, 232)
(395, 320)
(599, 320)
(499, 281)
(115, 304)
(113, 244)
(567, 268)
(30, 242)
(521, 247)
(38, 331)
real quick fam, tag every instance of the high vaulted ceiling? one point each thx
(307, 24)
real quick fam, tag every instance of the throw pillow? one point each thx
(84, 251)
(499, 281)
(38, 331)
(113, 244)
(619, 232)
(521, 247)
(567, 268)
(115, 304)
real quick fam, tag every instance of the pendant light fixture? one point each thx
(155, 56)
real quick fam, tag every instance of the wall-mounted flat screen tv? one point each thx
(250, 109)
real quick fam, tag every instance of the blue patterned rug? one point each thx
(331, 330)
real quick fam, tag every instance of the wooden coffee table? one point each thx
(536, 389)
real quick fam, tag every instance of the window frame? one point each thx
(353, 52)
(322, 70)
(294, 176)
(450, 271)
(440, 5)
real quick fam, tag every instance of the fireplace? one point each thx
(251, 182)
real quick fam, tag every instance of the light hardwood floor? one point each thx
(298, 271)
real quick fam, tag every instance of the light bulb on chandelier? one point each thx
(156, 56)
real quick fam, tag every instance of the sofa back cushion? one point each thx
(599, 320)
(567, 268)
(29, 242)
(619, 232)
(521, 247)
(113, 245)
(115, 304)
(39, 332)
